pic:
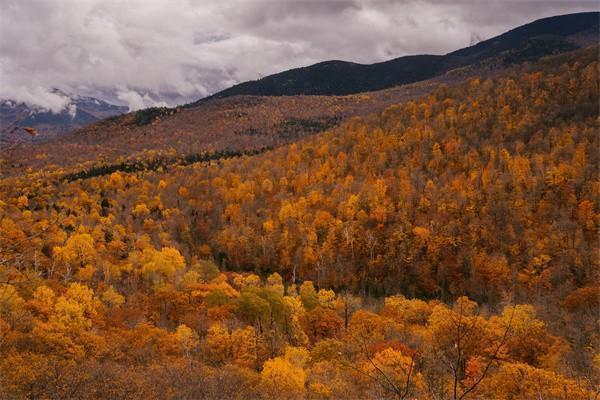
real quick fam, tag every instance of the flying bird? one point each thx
(32, 131)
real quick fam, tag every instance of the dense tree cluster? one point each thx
(193, 332)
(444, 248)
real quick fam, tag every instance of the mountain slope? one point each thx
(240, 123)
(342, 78)
(525, 43)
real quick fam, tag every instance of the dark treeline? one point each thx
(159, 162)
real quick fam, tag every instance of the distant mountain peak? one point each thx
(80, 111)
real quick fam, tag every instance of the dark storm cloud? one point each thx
(152, 52)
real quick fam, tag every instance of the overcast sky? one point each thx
(152, 52)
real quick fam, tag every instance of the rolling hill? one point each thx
(526, 43)
(156, 128)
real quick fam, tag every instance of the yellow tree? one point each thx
(79, 251)
(284, 377)
(459, 335)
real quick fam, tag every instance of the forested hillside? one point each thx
(445, 248)
(242, 123)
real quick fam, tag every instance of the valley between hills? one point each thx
(431, 239)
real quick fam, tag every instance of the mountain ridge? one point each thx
(527, 42)
(336, 77)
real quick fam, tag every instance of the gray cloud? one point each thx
(156, 52)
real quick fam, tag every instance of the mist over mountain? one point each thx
(529, 42)
(79, 111)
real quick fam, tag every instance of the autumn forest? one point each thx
(436, 241)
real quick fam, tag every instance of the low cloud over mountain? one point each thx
(141, 53)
